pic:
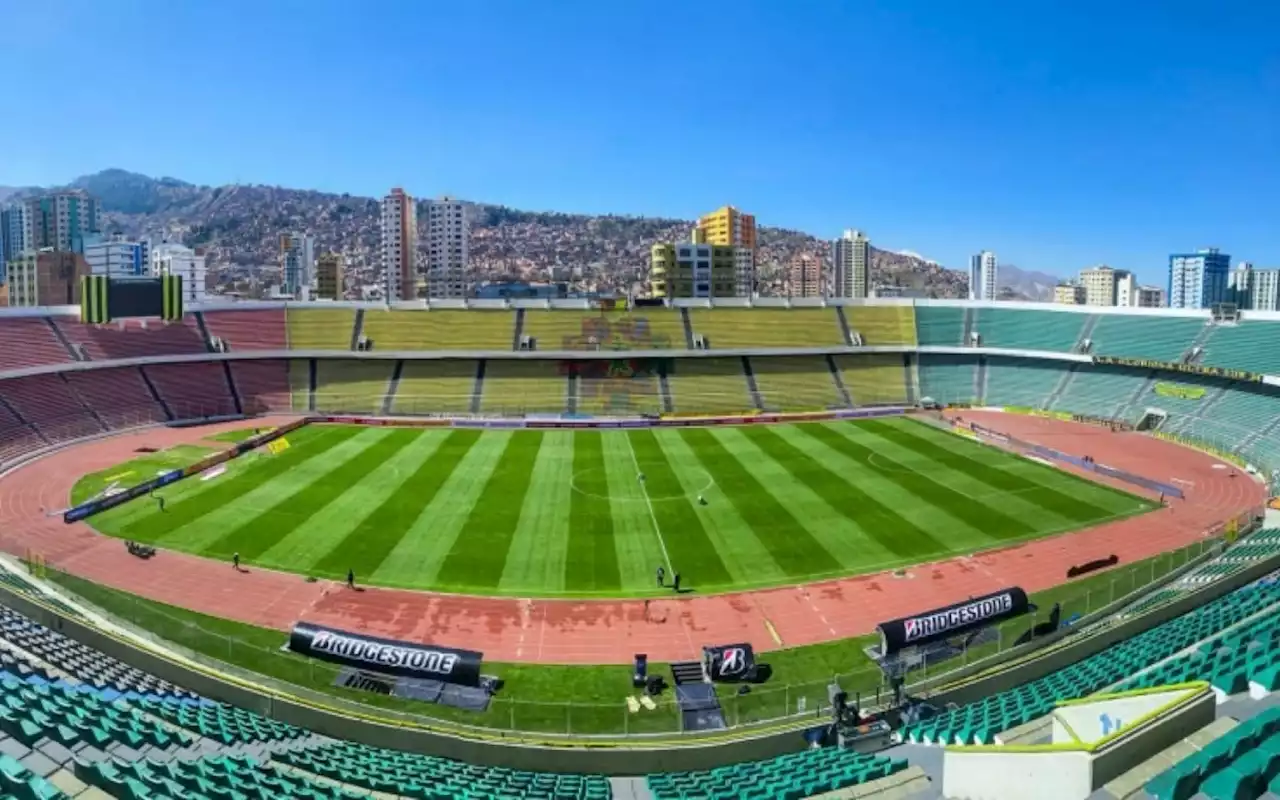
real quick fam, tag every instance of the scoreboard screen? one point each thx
(103, 299)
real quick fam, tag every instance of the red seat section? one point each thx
(248, 330)
(120, 396)
(262, 385)
(192, 390)
(49, 404)
(134, 338)
(29, 342)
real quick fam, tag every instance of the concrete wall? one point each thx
(996, 775)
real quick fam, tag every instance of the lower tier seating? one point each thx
(796, 775)
(514, 388)
(1244, 763)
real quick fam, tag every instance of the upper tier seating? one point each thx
(436, 387)
(320, 328)
(1150, 337)
(1016, 329)
(134, 338)
(874, 379)
(192, 390)
(440, 330)
(707, 385)
(979, 722)
(1248, 346)
(640, 329)
(947, 379)
(262, 385)
(796, 383)
(882, 325)
(241, 331)
(513, 388)
(739, 328)
(1022, 382)
(940, 326)
(29, 342)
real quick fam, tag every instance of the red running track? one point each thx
(601, 632)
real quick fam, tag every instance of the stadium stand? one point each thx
(1099, 391)
(1018, 329)
(262, 385)
(514, 388)
(47, 401)
(409, 774)
(350, 385)
(1021, 381)
(1159, 338)
(619, 387)
(730, 328)
(797, 383)
(947, 379)
(806, 774)
(227, 776)
(29, 342)
(133, 338)
(640, 329)
(119, 396)
(439, 330)
(435, 387)
(192, 390)
(241, 331)
(300, 384)
(940, 326)
(1242, 763)
(981, 721)
(874, 379)
(709, 384)
(883, 325)
(1248, 346)
(320, 328)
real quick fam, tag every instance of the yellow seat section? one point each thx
(733, 328)
(641, 329)
(440, 330)
(300, 384)
(435, 387)
(516, 387)
(707, 385)
(619, 387)
(320, 328)
(882, 325)
(351, 385)
(797, 383)
(872, 380)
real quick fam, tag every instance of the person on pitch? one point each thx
(235, 561)
(662, 575)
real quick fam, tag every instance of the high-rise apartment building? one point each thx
(329, 277)
(448, 248)
(118, 258)
(1199, 280)
(15, 232)
(983, 275)
(176, 259)
(59, 221)
(46, 278)
(692, 270)
(1104, 286)
(1150, 297)
(730, 227)
(1254, 289)
(851, 264)
(1069, 294)
(804, 276)
(297, 258)
(399, 248)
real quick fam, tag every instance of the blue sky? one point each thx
(1060, 134)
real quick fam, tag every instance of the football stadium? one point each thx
(697, 549)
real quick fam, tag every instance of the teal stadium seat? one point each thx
(1159, 338)
(1017, 329)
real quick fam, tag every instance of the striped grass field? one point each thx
(593, 513)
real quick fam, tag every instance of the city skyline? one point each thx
(991, 130)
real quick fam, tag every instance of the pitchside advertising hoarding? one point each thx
(940, 623)
(729, 663)
(386, 656)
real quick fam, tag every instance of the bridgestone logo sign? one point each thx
(941, 621)
(386, 656)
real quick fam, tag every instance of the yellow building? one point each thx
(730, 227)
(329, 277)
(1069, 294)
(691, 269)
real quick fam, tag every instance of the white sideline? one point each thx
(644, 487)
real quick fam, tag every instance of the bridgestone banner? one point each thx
(386, 656)
(729, 663)
(941, 623)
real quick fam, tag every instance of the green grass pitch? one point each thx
(547, 513)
